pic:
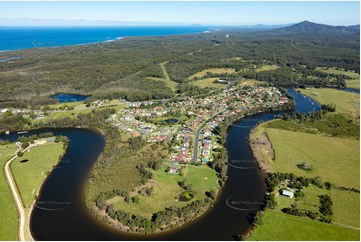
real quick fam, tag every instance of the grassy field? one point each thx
(353, 83)
(280, 226)
(116, 104)
(30, 175)
(267, 68)
(71, 105)
(8, 218)
(346, 102)
(333, 159)
(346, 208)
(249, 82)
(167, 190)
(208, 82)
(171, 84)
(201, 74)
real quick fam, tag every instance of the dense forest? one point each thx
(130, 68)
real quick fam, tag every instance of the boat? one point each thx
(22, 132)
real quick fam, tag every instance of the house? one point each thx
(287, 193)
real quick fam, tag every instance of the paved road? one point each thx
(15, 193)
(196, 136)
(164, 101)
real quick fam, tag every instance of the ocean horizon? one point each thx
(20, 38)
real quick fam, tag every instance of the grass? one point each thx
(201, 74)
(30, 175)
(8, 218)
(350, 74)
(167, 191)
(346, 102)
(310, 201)
(171, 84)
(208, 82)
(267, 68)
(333, 159)
(280, 226)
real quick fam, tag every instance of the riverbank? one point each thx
(261, 147)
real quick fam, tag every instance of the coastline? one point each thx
(207, 30)
(59, 46)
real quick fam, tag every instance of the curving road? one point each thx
(16, 196)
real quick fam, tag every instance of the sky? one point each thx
(202, 13)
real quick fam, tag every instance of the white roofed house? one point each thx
(287, 193)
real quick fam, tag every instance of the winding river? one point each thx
(63, 215)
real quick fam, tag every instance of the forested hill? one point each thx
(309, 27)
(141, 68)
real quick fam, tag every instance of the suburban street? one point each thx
(196, 137)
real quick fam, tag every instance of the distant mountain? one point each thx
(355, 27)
(264, 26)
(309, 27)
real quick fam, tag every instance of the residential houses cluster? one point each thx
(181, 154)
(209, 111)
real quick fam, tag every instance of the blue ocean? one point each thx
(17, 38)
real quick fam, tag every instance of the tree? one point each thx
(25, 144)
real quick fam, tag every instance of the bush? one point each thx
(135, 199)
(305, 166)
(257, 219)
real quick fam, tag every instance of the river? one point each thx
(63, 215)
